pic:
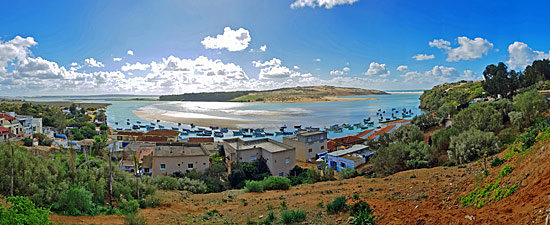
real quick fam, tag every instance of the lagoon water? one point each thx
(260, 115)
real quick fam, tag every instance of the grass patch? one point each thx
(293, 216)
(491, 193)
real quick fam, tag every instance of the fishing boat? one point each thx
(127, 123)
(257, 134)
(297, 126)
(268, 134)
(161, 127)
(116, 123)
(175, 128)
(179, 124)
(201, 129)
(127, 119)
(192, 125)
(138, 121)
(119, 129)
(283, 127)
(237, 133)
(207, 133)
(357, 124)
(351, 128)
(287, 133)
(153, 124)
(142, 126)
(279, 133)
(339, 130)
(184, 129)
(259, 130)
(364, 127)
(224, 130)
(218, 134)
(135, 127)
(184, 133)
(247, 135)
(158, 121)
(214, 127)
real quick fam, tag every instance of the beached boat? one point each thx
(279, 132)
(153, 124)
(224, 130)
(184, 133)
(218, 134)
(135, 127)
(257, 134)
(161, 127)
(179, 124)
(158, 121)
(138, 121)
(351, 128)
(127, 119)
(237, 133)
(268, 134)
(201, 129)
(116, 123)
(214, 127)
(364, 127)
(247, 135)
(127, 123)
(287, 133)
(175, 128)
(119, 129)
(259, 130)
(339, 130)
(142, 126)
(357, 124)
(297, 126)
(192, 125)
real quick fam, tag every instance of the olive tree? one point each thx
(472, 144)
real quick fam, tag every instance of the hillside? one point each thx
(295, 94)
(422, 196)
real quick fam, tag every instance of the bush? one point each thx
(134, 219)
(194, 186)
(276, 183)
(496, 162)
(482, 117)
(293, 216)
(166, 182)
(506, 170)
(299, 175)
(530, 104)
(347, 173)
(27, 142)
(337, 205)
(407, 134)
(254, 186)
(471, 145)
(76, 201)
(23, 211)
(425, 121)
(362, 214)
(153, 201)
(129, 207)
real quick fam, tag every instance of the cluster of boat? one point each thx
(383, 118)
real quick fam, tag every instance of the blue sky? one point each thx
(359, 43)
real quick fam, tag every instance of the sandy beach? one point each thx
(203, 122)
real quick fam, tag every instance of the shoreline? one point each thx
(60, 103)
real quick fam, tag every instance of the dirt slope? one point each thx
(423, 196)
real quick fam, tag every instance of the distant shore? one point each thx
(325, 99)
(60, 103)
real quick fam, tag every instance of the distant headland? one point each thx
(282, 95)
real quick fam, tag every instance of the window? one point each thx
(178, 164)
(287, 160)
(342, 165)
(252, 157)
(282, 174)
(146, 170)
(322, 147)
(190, 166)
(162, 166)
(308, 139)
(310, 150)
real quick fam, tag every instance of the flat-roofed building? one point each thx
(168, 158)
(308, 144)
(280, 158)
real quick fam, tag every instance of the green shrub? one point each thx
(506, 170)
(166, 182)
(471, 145)
(363, 217)
(23, 211)
(269, 219)
(359, 206)
(254, 186)
(293, 216)
(507, 135)
(134, 219)
(348, 173)
(76, 201)
(276, 183)
(496, 162)
(194, 186)
(337, 205)
(129, 207)
(153, 201)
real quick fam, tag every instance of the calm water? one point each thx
(262, 115)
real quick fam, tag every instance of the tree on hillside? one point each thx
(500, 81)
(407, 134)
(472, 144)
(482, 117)
(425, 121)
(530, 104)
(539, 70)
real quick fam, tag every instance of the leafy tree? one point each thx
(23, 211)
(391, 159)
(500, 81)
(408, 134)
(472, 144)
(425, 121)
(440, 141)
(75, 201)
(448, 109)
(418, 155)
(482, 117)
(43, 140)
(27, 142)
(517, 120)
(530, 104)
(538, 71)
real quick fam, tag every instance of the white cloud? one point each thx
(17, 48)
(421, 57)
(317, 60)
(441, 44)
(271, 62)
(232, 40)
(403, 68)
(468, 49)
(522, 55)
(328, 4)
(296, 67)
(344, 71)
(438, 74)
(376, 69)
(91, 62)
(136, 66)
(263, 48)
(273, 69)
(130, 52)
(117, 59)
